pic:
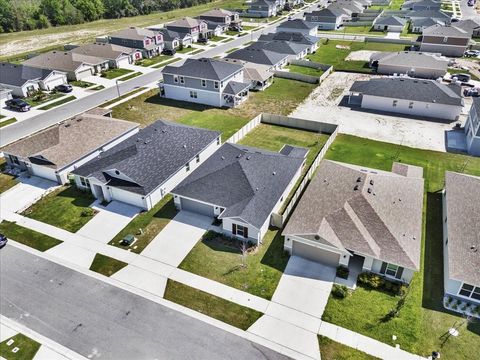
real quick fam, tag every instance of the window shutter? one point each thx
(383, 268)
(234, 229)
(245, 232)
(399, 273)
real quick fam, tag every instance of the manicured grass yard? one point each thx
(7, 122)
(217, 38)
(185, 50)
(330, 54)
(27, 237)
(131, 76)
(422, 321)
(154, 60)
(38, 100)
(281, 97)
(305, 70)
(106, 265)
(221, 261)
(6, 181)
(58, 103)
(151, 222)
(66, 208)
(368, 29)
(210, 305)
(331, 350)
(113, 101)
(27, 348)
(114, 73)
(81, 83)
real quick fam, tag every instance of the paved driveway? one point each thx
(24, 194)
(305, 286)
(176, 240)
(109, 221)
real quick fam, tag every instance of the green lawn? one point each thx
(8, 122)
(113, 101)
(151, 222)
(221, 261)
(210, 305)
(106, 265)
(98, 87)
(58, 103)
(165, 63)
(423, 320)
(331, 350)
(278, 99)
(66, 208)
(368, 29)
(42, 98)
(154, 60)
(330, 54)
(81, 83)
(217, 38)
(114, 73)
(6, 181)
(461, 71)
(131, 76)
(185, 50)
(231, 50)
(27, 348)
(27, 237)
(305, 70)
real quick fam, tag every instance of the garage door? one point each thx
(197, 207)
(58, 80)
(315, 254)
(127, 197)
(84, 73)
(43, 172)
(122, 62)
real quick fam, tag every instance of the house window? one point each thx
(215, 84)
(197, 158)
(187, 167)
(175, 78)
(182, 80)
(193, 94)
(241, 230)
(85, 182)
(445, 39)
(218, 141)
(391, 270)
(470, 291)
(394, 104)
(410, 105)
(204, 83)
(14, 160)
(221, 84)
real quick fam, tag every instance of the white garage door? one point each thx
(315, 254)
(43, 172)
(122, 62)
(55, 81)
(127, 197)
(84, 73)
(197, 207)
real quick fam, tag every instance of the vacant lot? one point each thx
(278, 98)
(422, 321)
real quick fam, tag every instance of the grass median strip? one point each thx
(81, 83)
(8, 122)
(27, 348)
(211, 305)
(332, 350)
(131, 76)
(106, 265)
(165, 63)
(28, 237)
(58, 103)
(115, 73)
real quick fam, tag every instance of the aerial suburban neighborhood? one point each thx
(231, 179)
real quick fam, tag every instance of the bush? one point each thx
(371, 281)
(87, 212)
(476, 310)
(339, 291)
(342, 272)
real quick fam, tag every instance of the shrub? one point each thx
(342, 272)
(371, 280)
(454, 306)
(464, 307)
(87, 212)
(476, 310)
(339, 291)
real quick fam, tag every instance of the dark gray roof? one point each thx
(169, 35)
(246, 181)
(463, 227)
(373, 212)
(429, 91)
(235, 87)
(150, 157)
(204, 68)
(476, 108)
(434, 14)
(413, 59)
(294, 151)
(17, 75)
(467, 25)
(390, 20)
(425, 22)
(281, 47)
(258, 56)
(445, 30)
(328, 12)
(296, 24)
(290, 36)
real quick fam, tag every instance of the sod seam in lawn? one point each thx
(27, 348)
(28, 237)
(211, 305)
(106, 265)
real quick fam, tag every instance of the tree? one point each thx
(53, 10)
(91, 9)
(7, 21)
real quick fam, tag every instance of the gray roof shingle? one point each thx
(445, 30)
(281, 47)
(246, 181)
(411, 58)
(290, 36)
(17, 75)
(390, 21)
(150, 157)
(204, 68)
(259, 56)
(296, 24)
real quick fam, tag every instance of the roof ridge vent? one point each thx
(274, 173)
(355, 188)
(369, 190)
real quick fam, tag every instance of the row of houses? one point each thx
(226, 82)
(269, 8)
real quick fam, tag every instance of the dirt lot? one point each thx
(360, 55)
(325, 100)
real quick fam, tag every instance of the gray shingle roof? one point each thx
(246, 181)
(63, 60)
(235, 87)
(186, 22)
(449, 31)
(373, 212)
(296, 24)
(425, 22)
(476, 108)
(258, 56)
(390, 21)
(411, 58)
(463, 227)
(149, 158)
(133, 33)
(429, 91)
(104, 50)
(17, 75)
(329, 12)
(217, 13)
(434, 14)
(169, 35)
(204, 68)
(290, 36)
(281, 47)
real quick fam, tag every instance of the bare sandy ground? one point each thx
(360, 55)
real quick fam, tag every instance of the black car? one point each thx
(65, 88)
(18, 104)
(235, 28)
(203, 40)
(170, 52)
(3, 240)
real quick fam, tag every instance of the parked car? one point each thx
(65, 88)
(474, 92)
(235, 28)
(471, 2)
(202, 40)
(472, 53)
(463, 78)
(3, 240)
(18, 104)
(169, 52)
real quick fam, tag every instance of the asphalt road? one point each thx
(29, 126)
(98, 320)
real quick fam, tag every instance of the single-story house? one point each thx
(147, 41)
(298, 25)
(262, 8)
(76, 66)
(470, 26)
(412, 63)
(419, 5)
(426, 98)
(445, 40)
(472, 128)
(24, 80)
(461, 238)
(274, 60)
(118, 56)
(354, 7)
(389, 23)
(187, 25)
(311, 41)
(141, 170)
(417, 25)
(295, 51)
(241, 186)
(5, 95)
(55, 152)
(173, 40)
(428, 14)
(350, 211)
(258, 75)
(327, 18)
